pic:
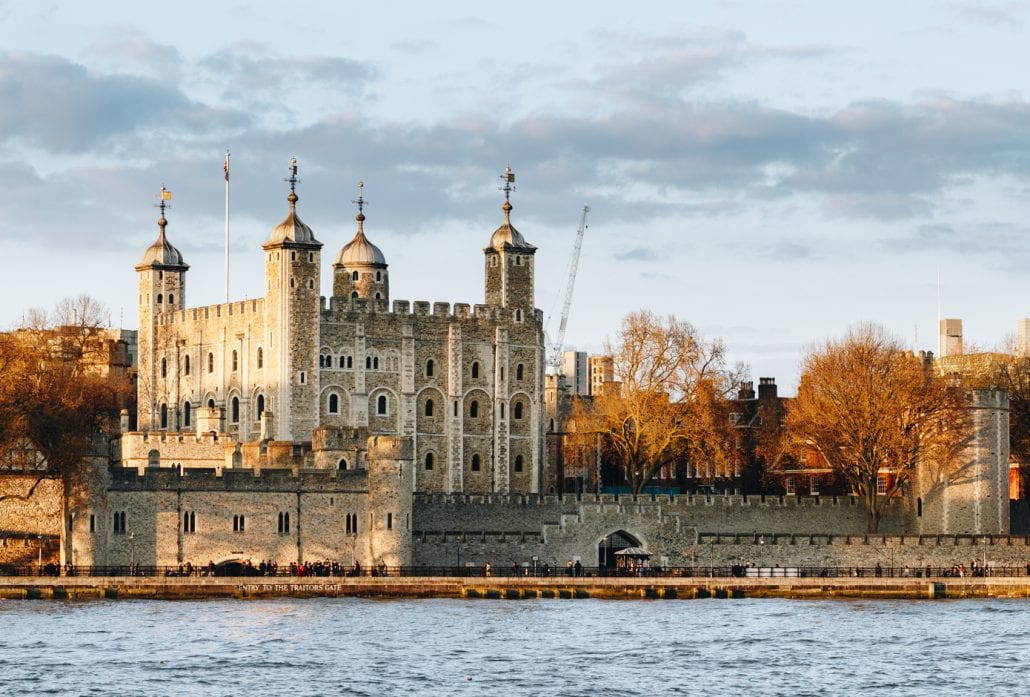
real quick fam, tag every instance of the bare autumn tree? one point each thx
(866, 406)
(669, 402)
(56, 394)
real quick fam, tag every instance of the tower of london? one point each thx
(300, 376)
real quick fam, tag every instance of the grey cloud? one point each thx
(993, 238)
(996, 14)
(246, 71)
(786, 251)
(57, 105)
(639, 254)
(129, 47)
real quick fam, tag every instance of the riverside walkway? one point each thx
(510, 588)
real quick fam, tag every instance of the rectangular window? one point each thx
(239, 523)
(881, 484)
(788, 484)
(92, 522)
(389, 521)
(119, 523)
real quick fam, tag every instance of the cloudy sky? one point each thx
(770, 171)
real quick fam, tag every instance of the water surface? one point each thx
(354, 646)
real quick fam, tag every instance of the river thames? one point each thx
(353, 646)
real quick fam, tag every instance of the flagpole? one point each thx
(226, 226)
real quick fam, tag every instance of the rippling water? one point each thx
(355, 646)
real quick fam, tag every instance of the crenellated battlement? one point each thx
(255, 306)
(337, 309)
(239, 480)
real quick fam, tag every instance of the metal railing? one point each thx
(336, 570)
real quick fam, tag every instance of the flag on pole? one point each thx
(226, 165)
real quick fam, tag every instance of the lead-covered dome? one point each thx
(162, 252)
(506, 236)
(292, 228)
(359, 251)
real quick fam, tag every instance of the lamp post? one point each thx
(39, 567)
(132, 553)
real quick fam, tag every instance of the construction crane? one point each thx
(554, 359)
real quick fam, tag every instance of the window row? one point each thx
(476, 464)
(234, 411)
(234, 363)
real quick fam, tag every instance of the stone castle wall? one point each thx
(516, 528)
(22, 521)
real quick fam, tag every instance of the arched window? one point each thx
(519, 371)
(475, 463)
(260, 406)
(474, 409)
(429, 368)
(354, 293)
(186, 365)
(518, 315)
(518, 260)
(164, 368)
(171, 299)
(164, 416)
(379, 276)
(429, 407)
(368, 362)
(235, 361)
(321, 361)
(379, 296)
(334, 404)
(502, 410)
(517, 411)
(210, 362)
(354, 276)
(153, 459)
(475, 369)
(381, 405)
(260, 358)
(235, 410)
(187, 410)
(210, 404)
(342, 464)
(518, 463)
(159, 298)
(429, 461)
(375, 363)
(343, 362)
(350, 361)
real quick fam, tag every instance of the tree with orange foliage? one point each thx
(867, 407)
(669, 402)
(56, 396)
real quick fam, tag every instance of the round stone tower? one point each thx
(390, 484)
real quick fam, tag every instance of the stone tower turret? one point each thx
(360, 270)
(292, 305)
(971, 496)
(162, 288)
(390, 485)
(509, 263)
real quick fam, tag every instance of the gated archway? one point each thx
(608, 546)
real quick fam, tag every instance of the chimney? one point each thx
(767, 388)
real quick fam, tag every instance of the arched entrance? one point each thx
(607, 547)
